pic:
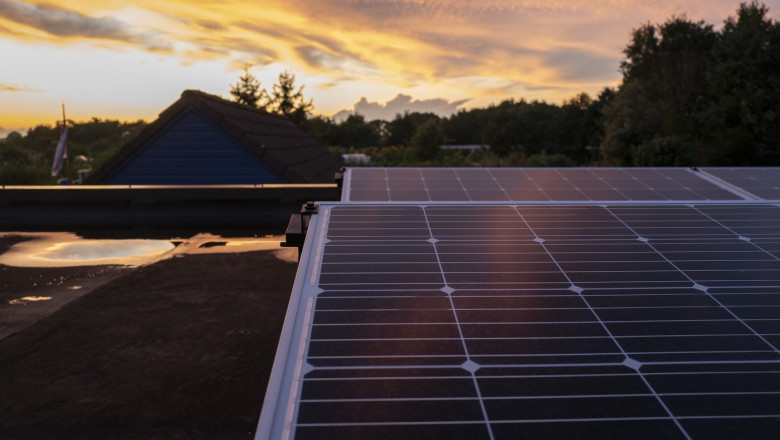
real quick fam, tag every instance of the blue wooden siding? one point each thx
(192, 150)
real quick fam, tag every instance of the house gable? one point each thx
(192, 150)
(204, 139)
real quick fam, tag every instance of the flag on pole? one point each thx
(60, 153)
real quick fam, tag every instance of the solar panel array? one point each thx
(762, 183)
(531, 184)
(553, 320)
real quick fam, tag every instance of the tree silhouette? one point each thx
(285, 100)
(428, 139)
(247, 91)
(744, 89)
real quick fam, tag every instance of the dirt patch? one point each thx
(178, 349)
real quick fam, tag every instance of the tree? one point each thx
(663, 89)
(403, 127)
(12, 153)
(631, 118)
(26, 160)
(323, 129)
(576, 123)
(428, 139)
(670, 61)
(247, 91)
(502, 128)
(285, 100)
(356, 132)
(537, 127)
(743, 118)
(462, 128)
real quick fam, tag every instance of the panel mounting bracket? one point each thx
(295, 235)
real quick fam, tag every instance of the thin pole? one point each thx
(67, 156)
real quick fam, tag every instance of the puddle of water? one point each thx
(25, 299)
(213, 244)
(64, 249)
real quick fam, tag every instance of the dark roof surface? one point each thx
(276, 141)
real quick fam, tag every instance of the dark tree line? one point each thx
(513, 130)
(26, 160)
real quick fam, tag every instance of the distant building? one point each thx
(356, 159)
(202, 139)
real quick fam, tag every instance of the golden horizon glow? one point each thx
(129, 60)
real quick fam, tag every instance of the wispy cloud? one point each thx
(522, 42)
(16, 88)
(400, 104)
(62, 22)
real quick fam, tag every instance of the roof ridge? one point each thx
(190, 96)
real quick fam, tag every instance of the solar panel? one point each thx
(499, 321)
(758, 182)
(532, 184)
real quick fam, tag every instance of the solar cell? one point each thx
(532, 184)
(759, 182)
(502, 321)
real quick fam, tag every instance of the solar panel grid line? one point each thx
(727, 309)
(577, 189)
(698, 340)
(564, 203)
(727, 185)
(763, 182)
(463, 187)
(501, 187)
(424, 186)
(689, 378)
(539, 322)
(387, 184)
(724, 185)
(514, 421)
(665, 363)
(740, 236)
(628, 361)
(661, 196)
(469, 364)
(524, 398)
(730, 417)
(612, 186)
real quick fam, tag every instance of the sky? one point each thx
(129, 60)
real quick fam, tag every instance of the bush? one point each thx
(548, 160)
(662, 151)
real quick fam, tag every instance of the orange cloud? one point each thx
(66, 23)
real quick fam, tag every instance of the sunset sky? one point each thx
(131, 59)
